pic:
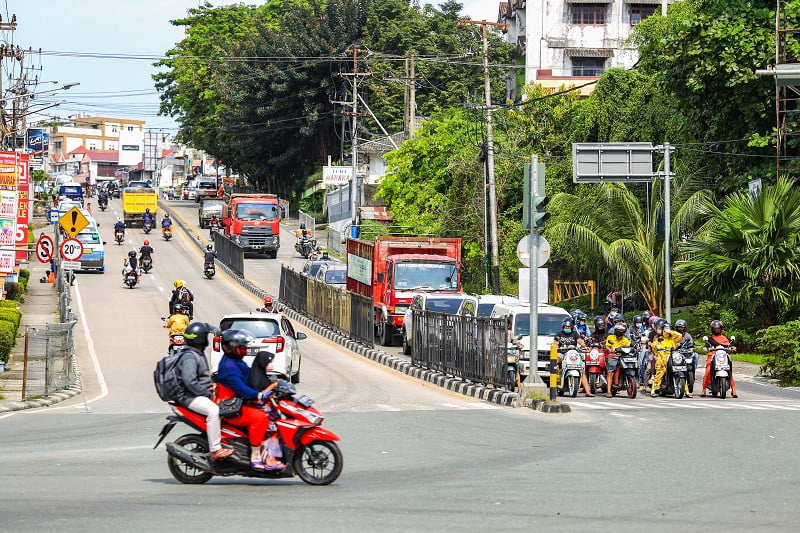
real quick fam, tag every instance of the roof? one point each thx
(381, 145)
(103, 155)
(165, 153)
(375, 213)
(79, 150)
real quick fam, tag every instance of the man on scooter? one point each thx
(617, 339)
(147, 217)
(568, 337)
(599, 334)
(716, 339)
(663, 341)
(166, 223)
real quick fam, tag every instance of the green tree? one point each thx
(748, 253)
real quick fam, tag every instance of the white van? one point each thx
(549, 322)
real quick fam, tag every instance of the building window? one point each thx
(640, 12)
(588, 14)
(129, 128)
(92, 146)
(114, 128)
(588, 66)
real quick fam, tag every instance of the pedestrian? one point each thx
(89, 207)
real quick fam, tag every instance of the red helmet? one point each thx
(146, 242)
(267, 300)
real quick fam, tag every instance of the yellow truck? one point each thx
(135, 200)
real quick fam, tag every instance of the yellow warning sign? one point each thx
(73, 222)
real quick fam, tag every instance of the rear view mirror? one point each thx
(104, 242)
(733, 338)
(705, 338)
(300, 336)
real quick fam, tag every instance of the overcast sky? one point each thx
(111, 87)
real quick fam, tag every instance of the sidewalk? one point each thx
(39, 308)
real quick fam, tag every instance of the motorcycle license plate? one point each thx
(629, 360)
(681, 368)
(573, 367)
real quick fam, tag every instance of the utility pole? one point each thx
(355, 183)
(410, 97)
(492, 209)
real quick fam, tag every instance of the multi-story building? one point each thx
(125, 136)
(571, 42)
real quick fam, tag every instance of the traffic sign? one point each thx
(53, 216)
(71, 265)
(71, 250)
(44, 249)
(73, 221)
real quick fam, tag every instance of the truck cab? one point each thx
(253, 222)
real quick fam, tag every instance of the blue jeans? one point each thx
(642, 363)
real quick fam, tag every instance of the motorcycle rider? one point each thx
(599, 334)
(637, 333)
(569, 337)
(269, 305)
(611, 319)
(102, 197)
(716, 339)
(233, 376)
(616, 339)
(147, 216)
(580, 323)
(664, 339)
(197, 386)
(182, 294)
(166, 223)
(119, 226)
(686, 342)
(145, 251)
(210, 256)
(130, 264)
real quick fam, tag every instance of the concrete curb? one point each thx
(498, 396)
(53, 398)
(547, 406)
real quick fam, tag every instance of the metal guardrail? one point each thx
(468, 347)
(49, 359)
(337, 240)
(229, 253)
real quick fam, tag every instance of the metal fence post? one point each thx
(25, 364)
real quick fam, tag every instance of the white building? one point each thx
(571, 42)
(125, 136)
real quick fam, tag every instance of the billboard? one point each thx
(332, 175)
(35, 147)
(14, 183)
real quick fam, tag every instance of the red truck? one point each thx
(391, 270)
(253, 222)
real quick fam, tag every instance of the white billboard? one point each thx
(336, 175)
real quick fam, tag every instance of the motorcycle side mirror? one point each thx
(705, 338)
(163, 319)
(733, 338)
(104, 242)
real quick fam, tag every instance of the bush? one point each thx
(6, 340)
(781, 348)
(12, 290)
(24, 278)
(12, 315)
(8, 303)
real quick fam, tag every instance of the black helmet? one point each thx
(646, 316)
(196, 335)
(660, 323)
(715, 324)
(210, 247)
(680, 324)
(132, 253)
(147, 210)
(620, 328)
(619, 318)
(567, 323)
(235, 341)
(599, 322)
(637, 319)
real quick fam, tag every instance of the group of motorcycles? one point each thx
(679, 377)
(306, 245)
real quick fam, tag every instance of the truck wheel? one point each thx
(384, 333)
(406, 346)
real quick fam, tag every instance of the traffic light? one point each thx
(540, 214)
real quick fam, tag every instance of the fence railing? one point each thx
(229, 253)
(336, 240)
(468, 347)
(308, 221)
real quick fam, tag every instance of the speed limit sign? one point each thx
(71, 250)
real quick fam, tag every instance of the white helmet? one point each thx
(119, 219)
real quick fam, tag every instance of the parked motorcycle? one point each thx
(130, 279)
(571, 371)
(119, 236)
(721, 370)
(147, 264)
(512, 369)
(209, 270)
(309, 450)
(167, 234)
(596, 367)
(147, 226)
(627, 368)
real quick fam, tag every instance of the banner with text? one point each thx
(336, 175)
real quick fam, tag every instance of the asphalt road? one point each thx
(415, 457)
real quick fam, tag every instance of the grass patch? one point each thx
(536, 395)
(753, 358)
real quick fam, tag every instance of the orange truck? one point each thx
(253, 221)
(391, 270)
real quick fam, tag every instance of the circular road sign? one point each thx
(44, 249)
(523, 251)
(71, 249)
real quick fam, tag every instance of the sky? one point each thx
(110, 87)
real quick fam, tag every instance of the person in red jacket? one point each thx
(716, 339)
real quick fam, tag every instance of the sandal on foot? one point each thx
(703, 395)
(257, 465)
(276, 466)
(222, 453)
(735, 395)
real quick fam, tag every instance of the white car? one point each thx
(432, 301)
(274, 333)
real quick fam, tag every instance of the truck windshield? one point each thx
(257, 211)
(428, 276)
(549, 324)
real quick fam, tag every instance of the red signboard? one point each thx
(23, 206)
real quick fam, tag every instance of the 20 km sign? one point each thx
(71, 250)
(44, 249)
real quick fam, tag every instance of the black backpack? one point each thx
(166, 377)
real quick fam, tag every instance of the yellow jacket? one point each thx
(669, 339)
(177, 323)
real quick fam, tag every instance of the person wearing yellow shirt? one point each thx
(177, 322)
(663, 341)
(617, 339)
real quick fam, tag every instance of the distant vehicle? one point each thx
(273, 332)
(93, 258)
(311, 267)
(332, 274)
(209, 208)
(253, 221)
(205, 189)
(486, 302)
(137, 184)
(72, 191)
(136, 200)
(430, 301)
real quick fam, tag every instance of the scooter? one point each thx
(571, 371)
(130, 279)
(309, 450)
(596, 368)
(627, 368)
(212, 227)
(119, 236)
(167, 234)
(147, 227)
(103, 204)
(680, 372)
(721, 370)
(512, 369)
(209, 270)
(146, 264)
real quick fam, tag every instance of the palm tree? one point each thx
(611, 226)
(748, 252)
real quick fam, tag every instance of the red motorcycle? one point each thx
(309, 450)
(596, 367)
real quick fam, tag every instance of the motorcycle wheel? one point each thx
(572, 385)
(184, 472)
(723, 387)
(679, 384)
(511, 378)
(318, 463)
(406, 346)
(690, 382)
(631, 386)
(593, 383)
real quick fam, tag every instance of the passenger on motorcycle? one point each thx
(210, 256)
(664, 340)
(131, 265)
(271, 453)
(617, 339)
(580, 324)
(145, 251)
(178, 321)
(147, 216)
(181, 294)
(599, 334)
(716, 339)
(233, 376)
(102, 197)
(197, 386)
(166, 223)
(569, 337)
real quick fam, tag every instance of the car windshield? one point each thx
(549, 324)
(443, 305)
(336, 276)
(207, 185)
(257, 211)
(314, 266)
(429, 276)
(259, 327)
(485, 309)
